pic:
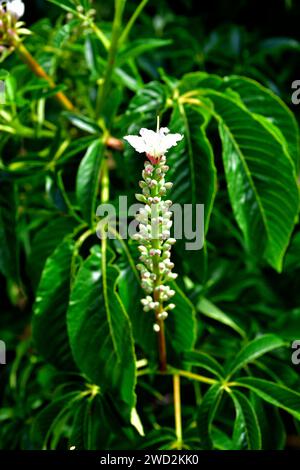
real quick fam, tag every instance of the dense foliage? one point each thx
(82, 357)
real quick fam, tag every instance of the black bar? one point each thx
(137, 459)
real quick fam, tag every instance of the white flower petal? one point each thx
(136, 142)
(155, 144)
(147, 133)
(169, 141)
(149, 136)
(16, 8)
(164, 130)
(151, 140)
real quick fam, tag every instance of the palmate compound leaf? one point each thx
(96, 423)
(100, 331)
(259, 163)
(261, 179)
(263, 102)
(258, 99)
(86, 418)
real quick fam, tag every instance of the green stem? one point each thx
(104, 199)
(177, 410)
(132, 20)
(104, 182)
(78, 245)
(82, 238)
(183, 373)
(100, 35)
(193, 376)
(40, 72)
(66, 199)
(113, 49)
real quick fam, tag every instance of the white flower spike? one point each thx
(154, 144)
(15, 8)
(154, 224)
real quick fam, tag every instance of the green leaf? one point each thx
(161, 438)
(75, 148)
(47, 423)
(210, 310)
(180, 326)
(276, 369)
(65, 5)
(138, 47)
(220, 440)
(261, 101)
(253, 350)
(261, 179)
(191, 162)
(271, 424)
(44, 243)
(204, 361)
(147, 103)
(4, 74)
(142, 322)
(273, 393)
(193, 173)
(246, 427)
(82, 122)
(99, 330)
(9, 244)
(87, 181)
(51, 303)
(95, 423)
(206, 413)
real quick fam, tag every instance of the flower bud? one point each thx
(171, 307)
(162, 315)
(141, 198)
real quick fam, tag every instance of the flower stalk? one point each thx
(155, 222)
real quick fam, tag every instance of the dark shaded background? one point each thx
(276, 17)
(258, 39)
